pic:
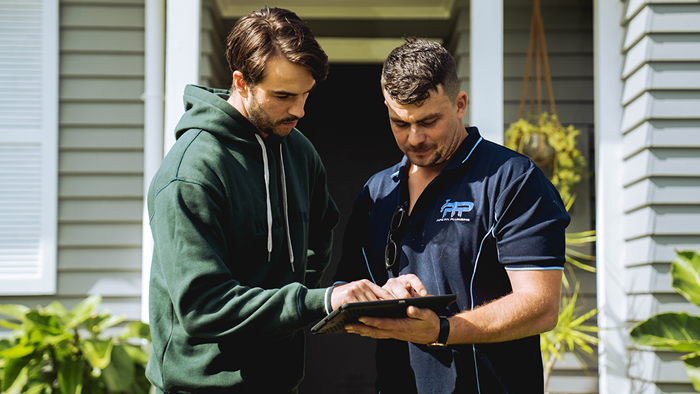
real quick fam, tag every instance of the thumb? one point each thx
(417, 313)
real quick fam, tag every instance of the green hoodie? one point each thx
(227, 312)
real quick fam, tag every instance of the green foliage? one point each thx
(53, 350)
(569, 334)
(673, 330)
(556, 153)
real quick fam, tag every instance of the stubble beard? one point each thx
(260, 119)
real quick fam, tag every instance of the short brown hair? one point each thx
(263, 34)
(415, 68)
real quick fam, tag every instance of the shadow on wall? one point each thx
(347, 122)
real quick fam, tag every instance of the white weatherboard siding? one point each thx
(660, 170)
(100, 156)
(28, 145)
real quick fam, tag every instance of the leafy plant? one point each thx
(53, 350)
(674, 330)
(552, 147)
(570, 333)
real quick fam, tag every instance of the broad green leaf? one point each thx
(110, 321)
(677, 331)
(136, 329)
(685, 270)
(140, 384)
(16, 311)
(17, 351)
(46, 323)
(57, 309)
(120, 372)
(38, 388)
(70, 375)
(83, 310)
(12, 369)
(96, 386)
(97, 351)
(10, 325)
(137, 354)
(692, 367)
(19, 383)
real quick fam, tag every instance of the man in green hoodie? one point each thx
(242, 223)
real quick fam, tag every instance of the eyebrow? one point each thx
(423, 119)
(286, 93)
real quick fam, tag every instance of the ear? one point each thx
(240, 84)
(461, 104)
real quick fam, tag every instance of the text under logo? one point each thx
(454, 210)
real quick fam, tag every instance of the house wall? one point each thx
(660, 159)
(100, 192)
(569, 35)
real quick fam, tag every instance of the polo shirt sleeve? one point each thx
(530, 223)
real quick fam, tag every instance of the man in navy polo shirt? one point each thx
(466, 216)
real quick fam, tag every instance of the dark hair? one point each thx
(415, 68)
(261, 35)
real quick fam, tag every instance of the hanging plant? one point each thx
(552, 147)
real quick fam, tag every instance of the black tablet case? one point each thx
(349, 313)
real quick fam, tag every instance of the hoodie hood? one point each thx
(207, 109)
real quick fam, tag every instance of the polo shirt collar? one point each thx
(459, 158)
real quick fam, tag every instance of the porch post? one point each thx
(486, 64)
(181, 60)
(613, 358)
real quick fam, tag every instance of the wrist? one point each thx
(443, 334)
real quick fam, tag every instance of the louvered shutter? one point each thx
(28, 145)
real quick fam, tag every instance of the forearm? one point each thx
(506, 319)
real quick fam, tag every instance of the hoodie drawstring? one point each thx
(269, 204)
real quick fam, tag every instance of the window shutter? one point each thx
(28, 146)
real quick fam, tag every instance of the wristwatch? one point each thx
(444, 333)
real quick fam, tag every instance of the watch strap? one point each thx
(444, 332)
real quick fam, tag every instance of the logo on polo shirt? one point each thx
(452, 211)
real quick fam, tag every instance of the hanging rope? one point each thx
(537, 57)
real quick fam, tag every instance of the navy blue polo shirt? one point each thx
(489, 210)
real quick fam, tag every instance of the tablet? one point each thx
(349, 313)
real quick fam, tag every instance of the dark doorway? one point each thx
(347, 122)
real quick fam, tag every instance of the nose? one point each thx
(297, 109)
(415, 136)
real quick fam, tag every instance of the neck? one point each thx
(237, 102)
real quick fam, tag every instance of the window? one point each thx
(28, 146)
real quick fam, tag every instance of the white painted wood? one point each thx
(101, 137)
(645, 305)
(573, 384)
(181, 60)
(666, 133)
(662, 220)
(646, 279)
(105, 283)
(153, 97)
(661, 47)
(107, 235)
(663, 19)
(661, 76)
(661, 367)
(99, 113)
(98, 259)
(659, 248)
(611, 297)
(101, 64)
(678, 104)
(486, 78)
(661, 191)
(100, 186)
(661, 162)
(86, 211)
(28, 146)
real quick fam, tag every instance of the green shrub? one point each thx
(673, 330)
(53, 350)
